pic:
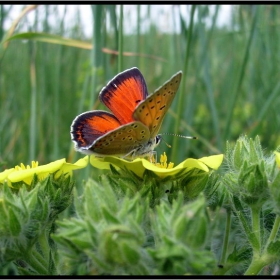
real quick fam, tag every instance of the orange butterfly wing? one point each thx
(89, 126)
(123, 93)
(152, 110)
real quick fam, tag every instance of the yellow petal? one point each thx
(61, 166)
(277, 158)
(68, 167)
(139, 165)
(34, 164)
(213, 162)
(42, 171)
(5, 173)
(104, 163)
(101, 162)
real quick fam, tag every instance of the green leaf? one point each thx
(4, 216)
(114, 170)
(45, 209)
(52, 263)
(7, 193)
(102, 266)
(57, 197)
(254, 157)
(25, 271)
(237, 203)
(109, 217)
(131, 254)
(109, 196)
(274, 249)
(239, 255)
(191, 225)
(237, 155)
(194, 183)
(92, 201)
(51, 38)
(275, 192)
(92, 231)
(14, 223)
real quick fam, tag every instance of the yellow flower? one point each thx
(163, 162)
(277, 158)
(139, 165)
(26, 173)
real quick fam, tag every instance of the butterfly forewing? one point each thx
(123, 93)
(122, 140)
(152, 110)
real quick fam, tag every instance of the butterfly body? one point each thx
(131, 129)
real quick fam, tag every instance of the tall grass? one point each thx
(230, 84)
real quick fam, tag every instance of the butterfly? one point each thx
(131, 130)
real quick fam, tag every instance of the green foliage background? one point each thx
(230, 87)
(230, 84)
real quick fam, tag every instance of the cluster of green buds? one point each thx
(251, 173)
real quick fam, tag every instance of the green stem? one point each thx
(226, 238)
(33, 99)
(138, 35)
(223, 267)
(273, 231)
(2, 15)
(181, 105)
(256, 266)
(256, 226)
(250, 235)
(238, 91)
(96, 53)
(222, 270)
(120, 57)
(259, 262)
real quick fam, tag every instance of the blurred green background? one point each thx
(229, 56)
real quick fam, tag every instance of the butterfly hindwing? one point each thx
(123, 93)
(89, 126)
(152, 110)
(122, 141)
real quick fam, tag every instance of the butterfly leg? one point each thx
(153, 156)
(131, 154)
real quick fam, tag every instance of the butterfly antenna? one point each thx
(182, 136)
(169, 146)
